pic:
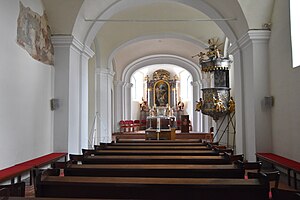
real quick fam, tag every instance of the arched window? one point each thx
(295, 30)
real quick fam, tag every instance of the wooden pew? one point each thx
(155, 144)
(162, 147)
(156, 170)
(151, 188)
(13, 190)
(28, 166)
(154, 159)
(151, 152)
(276, 160)
(158, 141)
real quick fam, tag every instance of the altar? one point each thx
(161, 100)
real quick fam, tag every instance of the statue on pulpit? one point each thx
(199, 105)
(219, 105)
(231, 105)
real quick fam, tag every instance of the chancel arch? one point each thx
(125, 86)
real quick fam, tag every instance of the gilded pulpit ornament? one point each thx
(215, 100)
(231, 105)
(199, 105)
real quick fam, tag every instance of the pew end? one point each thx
(13, 190)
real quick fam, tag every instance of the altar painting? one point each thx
(162, 93)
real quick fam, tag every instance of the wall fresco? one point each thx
(34, 35)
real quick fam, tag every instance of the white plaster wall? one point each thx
(285, 86)
(25, 93)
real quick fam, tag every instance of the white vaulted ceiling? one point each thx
(119, 43)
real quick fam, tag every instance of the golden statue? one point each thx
(199, 105)
(219, 105)
(231, 105)
(213, 51)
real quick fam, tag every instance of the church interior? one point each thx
(81, 79)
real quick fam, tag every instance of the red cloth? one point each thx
(20, 168)
(12, 172)
(43, 160)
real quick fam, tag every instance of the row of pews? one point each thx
(153, 170)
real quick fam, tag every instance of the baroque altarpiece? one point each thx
(162, 96)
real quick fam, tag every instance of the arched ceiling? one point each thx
(143, 48)
(114, 34)
(119, 43)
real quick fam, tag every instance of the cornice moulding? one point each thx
(72, 42)
(252, 36)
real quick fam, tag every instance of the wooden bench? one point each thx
(141, 147)
(155, 170)
(13, 190)
(17, 170)
(283, 162)
(155, 144)
(158, 141)
(153, 152)
(151, 188)
(11, 172)
(157, 159)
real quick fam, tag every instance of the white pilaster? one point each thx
(104, 103)
(87, 53)
(70, 124)
(127, 100)
(251, 86)
(197, 116)
(119, 107)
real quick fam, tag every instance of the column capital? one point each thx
(119, 83)
(69, 41)
(128, 85)
(196, 83)
(252, 36)
(104, 71)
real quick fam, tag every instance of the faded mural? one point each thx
(34, 35)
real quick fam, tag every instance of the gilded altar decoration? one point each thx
(161, 74)
(144, 105)
(161, 92)
(34, 35)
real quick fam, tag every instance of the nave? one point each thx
(132, 169)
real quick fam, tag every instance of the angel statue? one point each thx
(199, 105)
(213, 51)
(231, 105)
